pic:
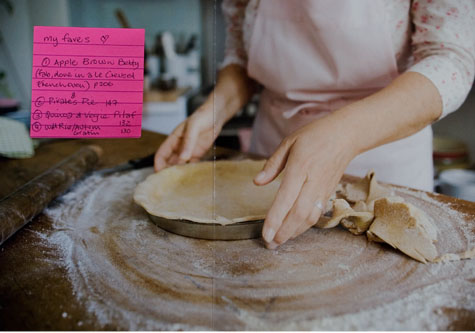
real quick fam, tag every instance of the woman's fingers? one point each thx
(167, 148)
(175, 159)
(163, 154)
(190, 138)
(285, 198)
(183, 144)
(300, 215)
(311, 220)
(274, 165)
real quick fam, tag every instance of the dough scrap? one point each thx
(358, 225)
(374, 238)
(397, 223)
(367, 190)
(469, 254)
(354, 192)
(220, 192)
(404, 227)
(361, 206)
(356, 222)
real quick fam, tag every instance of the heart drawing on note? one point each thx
(104, 38)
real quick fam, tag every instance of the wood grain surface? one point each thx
(35, 291)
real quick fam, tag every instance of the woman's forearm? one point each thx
(407, 105)
(233, 90)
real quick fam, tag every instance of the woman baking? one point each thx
(348, 86)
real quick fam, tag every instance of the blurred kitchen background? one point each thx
(184, 46)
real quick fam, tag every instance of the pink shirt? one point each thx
(435, 38)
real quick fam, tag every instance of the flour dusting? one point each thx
(136, 276)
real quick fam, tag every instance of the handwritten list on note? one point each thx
(87, 82)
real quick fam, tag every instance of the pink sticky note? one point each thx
(87, 82)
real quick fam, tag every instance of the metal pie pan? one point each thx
(210, 231)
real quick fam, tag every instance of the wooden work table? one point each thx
(34, 301)
(34, 291)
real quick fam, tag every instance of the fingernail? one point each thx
(260, 176)
(272, 245)
(269, 234)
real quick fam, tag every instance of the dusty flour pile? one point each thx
(130, 273)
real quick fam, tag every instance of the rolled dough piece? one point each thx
(404, 227)
(220, 192)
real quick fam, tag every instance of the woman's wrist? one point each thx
(407, 105)
(233, 90)
(217, 109)
(344, 132)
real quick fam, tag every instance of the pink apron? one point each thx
(315, 56)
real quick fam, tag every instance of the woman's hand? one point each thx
(194, 136)
(313, 160)
(190, 140)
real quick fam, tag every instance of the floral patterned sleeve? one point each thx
(234, 53)
(444, 47)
